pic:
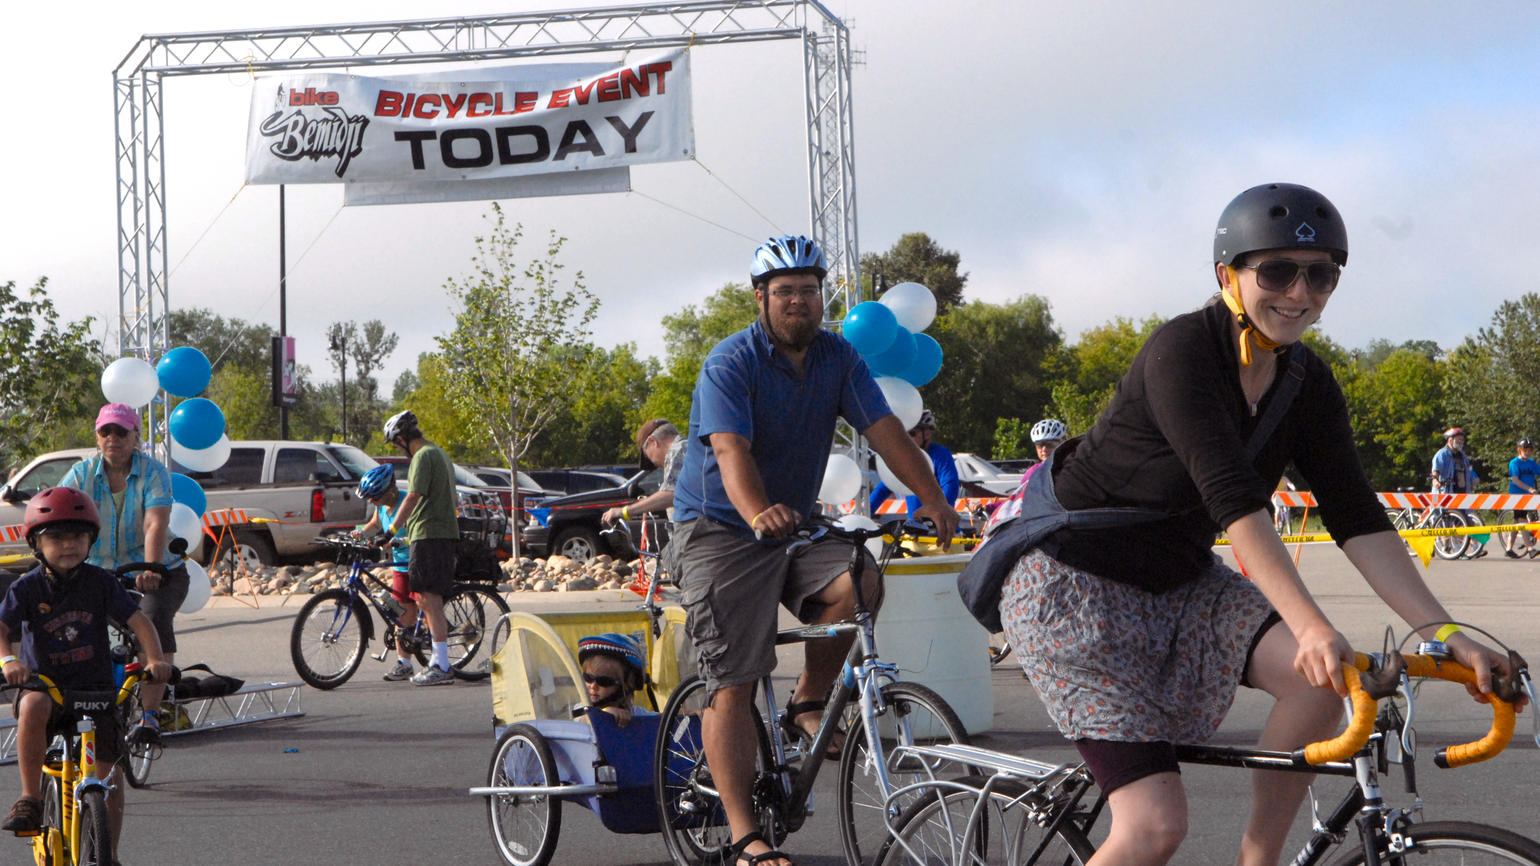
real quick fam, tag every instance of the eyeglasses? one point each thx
(804, 294)
(1276, 275)
(602, 682)
(112, 430)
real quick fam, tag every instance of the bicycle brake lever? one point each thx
(1534, 701)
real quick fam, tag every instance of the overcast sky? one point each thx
(1080, 151)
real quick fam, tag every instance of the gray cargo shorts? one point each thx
(731, 588)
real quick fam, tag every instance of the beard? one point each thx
(794, 334)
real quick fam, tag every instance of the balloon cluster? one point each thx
(887, 333)
(198, 440)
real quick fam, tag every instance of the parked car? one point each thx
(479, 509)
(497, 479)
(1016, 464)
(981, 478)
(298, 489)
(562, 482)
(569, 525)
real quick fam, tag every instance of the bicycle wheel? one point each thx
(472, 611)
(911, 714)
(934, 831)
(689, 812)
(327, 642)
(95, 830)
(138, 756)
(48, 846)
(1451, 546)
(1462, 842)
(525, 827)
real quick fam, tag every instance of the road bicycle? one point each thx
(76, 829)
(878, 711)
(1019, 811)
(334, 627)
(1435, 516)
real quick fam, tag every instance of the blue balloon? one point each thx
(896, 358)
(926, 363)
(188, 492)
(196, 424)
(184, 371)
(870, 327)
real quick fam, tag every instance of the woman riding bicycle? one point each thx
(1136, 635)
(60, 610)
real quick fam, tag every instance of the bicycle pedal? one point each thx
(379, 657)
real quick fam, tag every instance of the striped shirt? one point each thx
(122, 537)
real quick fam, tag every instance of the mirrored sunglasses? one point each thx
(601, 681)
(112, 430)
(1276, 275)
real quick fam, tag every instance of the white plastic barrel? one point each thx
(925, 630)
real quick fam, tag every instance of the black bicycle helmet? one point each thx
(1279, 216)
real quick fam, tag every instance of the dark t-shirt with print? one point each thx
(63, 627)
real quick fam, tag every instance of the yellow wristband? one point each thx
(756, 520)
(625, 512)
(1445, 631)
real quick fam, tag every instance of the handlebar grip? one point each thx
(1503, 720)
(1359, 727)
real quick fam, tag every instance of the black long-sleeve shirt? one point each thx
(1174, 439)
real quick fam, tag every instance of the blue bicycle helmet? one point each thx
(787, 253)
(376, 481)
(618, 646)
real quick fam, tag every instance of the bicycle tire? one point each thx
(690, 815)
(95, 829)
(525, 827)
(467, 609)
(914, 714)
(138, 757)
(1451, 546)
(931, 832)
(328, 639)
(50, 843)
(1462, 842)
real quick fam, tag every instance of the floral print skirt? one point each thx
(1115, 662)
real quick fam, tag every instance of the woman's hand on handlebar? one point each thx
(146, 581)
(1322, 650)
(1482, 660)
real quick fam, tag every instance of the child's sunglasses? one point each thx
(602, 682)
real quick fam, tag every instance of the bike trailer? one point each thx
(535, 674)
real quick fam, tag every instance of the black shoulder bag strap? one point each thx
(1288, 389)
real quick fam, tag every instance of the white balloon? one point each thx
(841, 480)
(198, 588)
(202, 459)
(903, 398)
(856, 521)
(130, 380)
(186, 524)
(912, 304)
(888, 478)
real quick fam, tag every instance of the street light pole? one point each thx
(340, 346)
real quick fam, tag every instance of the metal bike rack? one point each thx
(252, 703)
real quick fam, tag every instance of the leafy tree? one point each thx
(687, 337)
(996, 358)
(245, 395)
(1395, 408)
(916, 258)
(443, 419)
(225, 341)
(519, 330)
(49, 376)
(1091, 369)
(366, 347)
(1489, 384)
(598, 427)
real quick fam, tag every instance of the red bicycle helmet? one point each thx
(61, 509)
(1453, 432)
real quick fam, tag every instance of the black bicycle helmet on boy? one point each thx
(787, 254)
(1279, 216)
(60, 509)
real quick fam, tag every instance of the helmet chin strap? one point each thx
(1249, 331)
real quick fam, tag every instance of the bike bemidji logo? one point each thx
(338, 135)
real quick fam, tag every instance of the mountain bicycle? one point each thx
(1019, 811)
(332, 630)
(878, 711)
(76, 829)
(1436, 516)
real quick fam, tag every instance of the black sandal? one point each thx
(798, 733)
(736, 855)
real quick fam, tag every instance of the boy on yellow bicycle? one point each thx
(60, 611)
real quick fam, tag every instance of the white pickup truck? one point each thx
(302, 488)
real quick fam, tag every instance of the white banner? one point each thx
(490, 123)
(596, 180)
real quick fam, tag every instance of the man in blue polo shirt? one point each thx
(764, 410)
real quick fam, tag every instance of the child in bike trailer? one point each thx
(613, 666)
(378, 487)
(60, 610)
